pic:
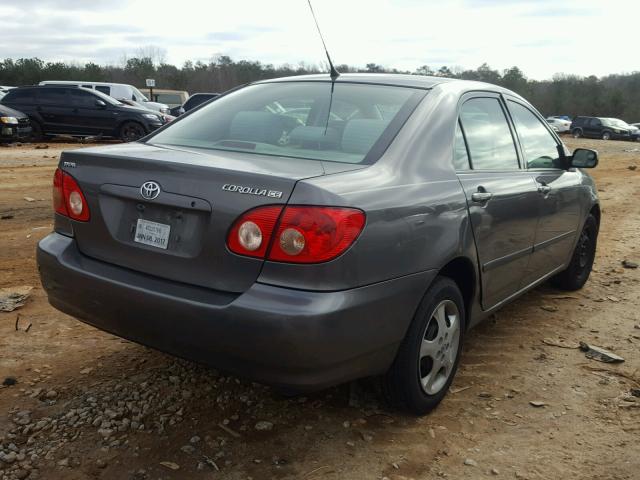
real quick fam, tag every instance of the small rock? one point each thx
(170, 465)
(495, 471)
(21, 474)
(485, 395)
(469, 462)
(84, 371)
(629, 264)
(632, 167)
(100, 463)
(195, 439)
(549, 308)
(188, 449)
(537, 403)
(64, 462)
(600, 354)
(9, 381)
(41, 147)
(263, 425)
(29, 199)
(51, 394)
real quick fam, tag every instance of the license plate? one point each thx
(152, 233)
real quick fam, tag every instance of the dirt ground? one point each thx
(88, 405)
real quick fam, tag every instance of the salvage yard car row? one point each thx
(82, 109)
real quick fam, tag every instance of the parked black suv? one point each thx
(80, 111)
(192, 102)
(14, 125)
(604, 128)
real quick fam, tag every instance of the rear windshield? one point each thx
(346, 122)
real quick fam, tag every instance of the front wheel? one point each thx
(131, 131)
(577, 273)
(577, 133)
(606, 135)
(428, 357)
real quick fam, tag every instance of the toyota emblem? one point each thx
(149, 190)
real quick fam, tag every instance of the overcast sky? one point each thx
(542, 37)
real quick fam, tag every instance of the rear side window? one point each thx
(103, 89)
(23, 96)
(488, 135)
(345, 122)
(196, 100)
(539, 148)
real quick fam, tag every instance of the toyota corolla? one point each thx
(308, 231)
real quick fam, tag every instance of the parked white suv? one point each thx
(119, 91)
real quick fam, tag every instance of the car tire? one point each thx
(37, 134)
(432, 342)
(577, 133)
(131, 131)
(577, 273)
(606, 135)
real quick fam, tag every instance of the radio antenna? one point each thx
(332, 70)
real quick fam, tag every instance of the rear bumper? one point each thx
(290, 338)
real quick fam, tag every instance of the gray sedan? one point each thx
(305, 232)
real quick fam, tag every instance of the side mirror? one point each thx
(101, 104)
(584, 158)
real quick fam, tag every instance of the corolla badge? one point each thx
(149, 190)
(263, 192)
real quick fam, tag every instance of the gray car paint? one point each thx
(419, 219)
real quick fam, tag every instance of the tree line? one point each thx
(616, 95)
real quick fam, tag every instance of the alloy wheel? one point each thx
(439, 347)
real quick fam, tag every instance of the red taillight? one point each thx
(315, 234)
(251, 233)
(68, 199)
(304, 234)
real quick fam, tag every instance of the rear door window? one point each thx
(103, 89)
(488, 135)
(53, 96)
(539, 147)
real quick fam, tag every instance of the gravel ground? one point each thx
(81, 404)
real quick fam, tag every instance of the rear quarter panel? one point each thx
(416, 211)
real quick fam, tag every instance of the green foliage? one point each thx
(612, 96)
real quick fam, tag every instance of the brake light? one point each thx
(251, 233)
(304, 234)
(68, 199)
(315, 234)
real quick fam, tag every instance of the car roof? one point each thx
(403, 80)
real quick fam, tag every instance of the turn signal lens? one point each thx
(68, 199)
(250, 234)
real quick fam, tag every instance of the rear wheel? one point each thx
(577, 133)
(606, 135)
(131, 131)
(428, 357)
(577, 273)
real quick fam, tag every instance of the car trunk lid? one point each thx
(181, 233)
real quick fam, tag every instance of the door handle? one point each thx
(544, 189)
(481, 197)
